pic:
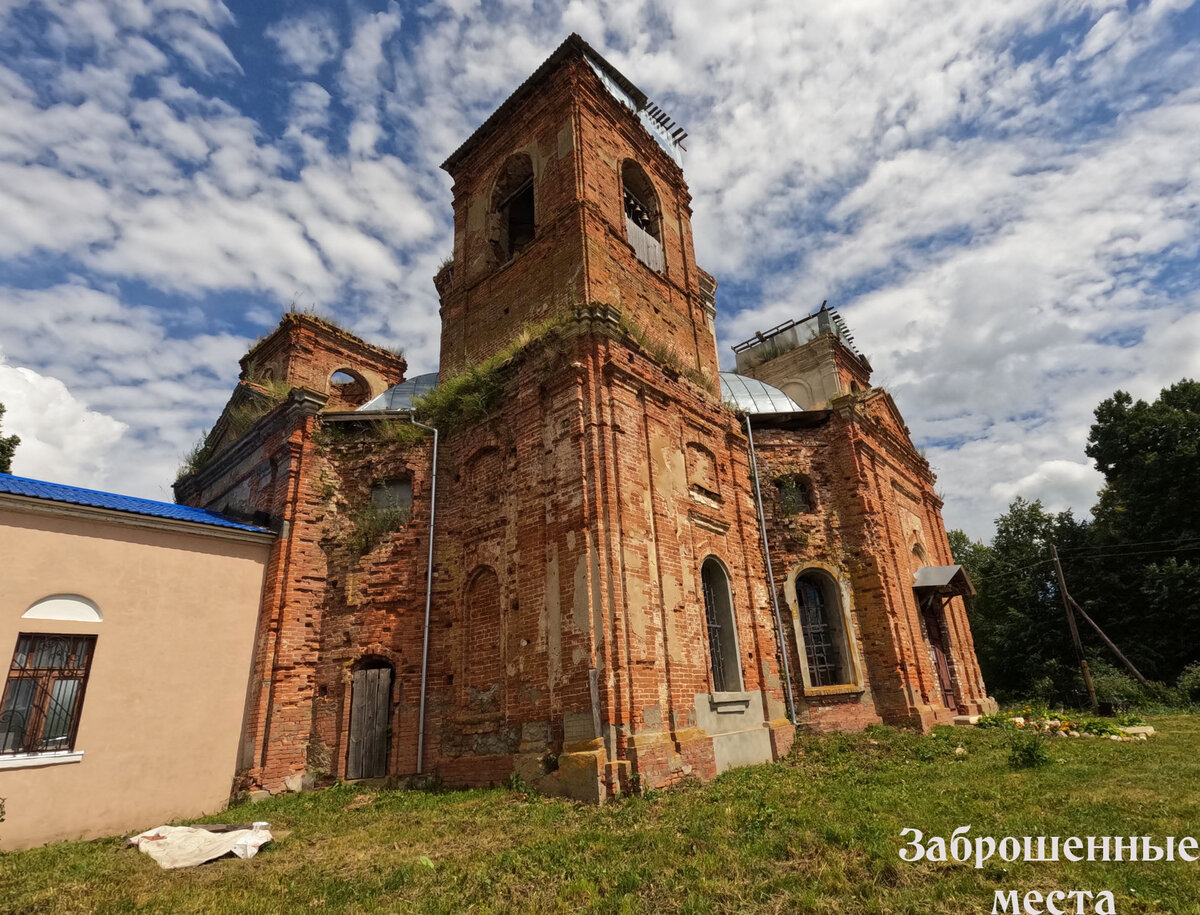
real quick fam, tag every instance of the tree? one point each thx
(1146, 591)
(8, 445)
(1149, 454)
(1135, 567)
(1020, 630)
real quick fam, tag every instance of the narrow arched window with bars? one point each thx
(823, 631)
(721, 627)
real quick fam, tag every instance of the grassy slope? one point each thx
(819, 832)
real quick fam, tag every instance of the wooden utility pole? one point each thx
(1107, 641)
(1067, 602)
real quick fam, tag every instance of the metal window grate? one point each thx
(714, 638)
(44, 693)
(820, 639)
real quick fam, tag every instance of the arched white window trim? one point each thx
(845, 603)
(66, 608)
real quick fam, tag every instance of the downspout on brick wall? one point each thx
(762, 525)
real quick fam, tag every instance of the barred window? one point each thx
(722, 630)
(44, 693)
(821, 626)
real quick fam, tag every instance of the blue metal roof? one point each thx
(73, 495)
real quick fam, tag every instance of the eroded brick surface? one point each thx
(568, 638)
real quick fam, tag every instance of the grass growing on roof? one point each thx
(818, 832)
(476, 390)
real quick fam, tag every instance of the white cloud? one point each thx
(995, 214)
(61, 439)
(306, 42)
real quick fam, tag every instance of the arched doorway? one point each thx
(370, 720)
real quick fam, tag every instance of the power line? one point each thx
(1015, 571)
(1181, 549)
(1118, 546)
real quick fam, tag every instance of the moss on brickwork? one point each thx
(264, 396)
(370, 524)
(665, 354)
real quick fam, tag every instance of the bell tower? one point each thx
(572, 193)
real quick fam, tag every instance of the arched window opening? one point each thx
(823, 631)
(722, 630)
(643, 219)
(795, 496)
(370, 719)
(349, 386)
(484, 654)
(512, 212)
(919, 557)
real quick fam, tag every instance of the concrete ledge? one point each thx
(31, 760)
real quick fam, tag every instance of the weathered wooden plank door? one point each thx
(937, 651)
(370, 723)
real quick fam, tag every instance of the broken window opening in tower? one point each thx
(517, 213)
(640, 230)
(642, 224)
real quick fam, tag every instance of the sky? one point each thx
(1002, 199)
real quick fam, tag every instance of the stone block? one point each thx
(301, 781)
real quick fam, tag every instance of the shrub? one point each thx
(999, 720)
(1099, 727)
(371, 523)
(1028, 751)
(1129, 720)
(1115, 687)
(1188, 683)
(476, 390)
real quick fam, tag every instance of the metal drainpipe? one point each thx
(762, 525)
(428, 598)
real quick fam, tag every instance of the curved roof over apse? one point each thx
(753, 396)
(399, 397)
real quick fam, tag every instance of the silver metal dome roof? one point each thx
(753, 396)
(399, 397)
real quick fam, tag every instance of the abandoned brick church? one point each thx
(611, 566)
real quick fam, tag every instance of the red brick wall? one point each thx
(868, 484)
(577, 136)
(306, 351)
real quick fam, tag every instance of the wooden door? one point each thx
(370, 723)
(937, 650)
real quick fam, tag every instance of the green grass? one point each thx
(819, 832)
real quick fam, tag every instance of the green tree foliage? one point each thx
(1149, 454)
(1020, 628)
(1146, 589)
(8, 445)
(1135, 566)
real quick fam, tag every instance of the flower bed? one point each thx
(1042, 721)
